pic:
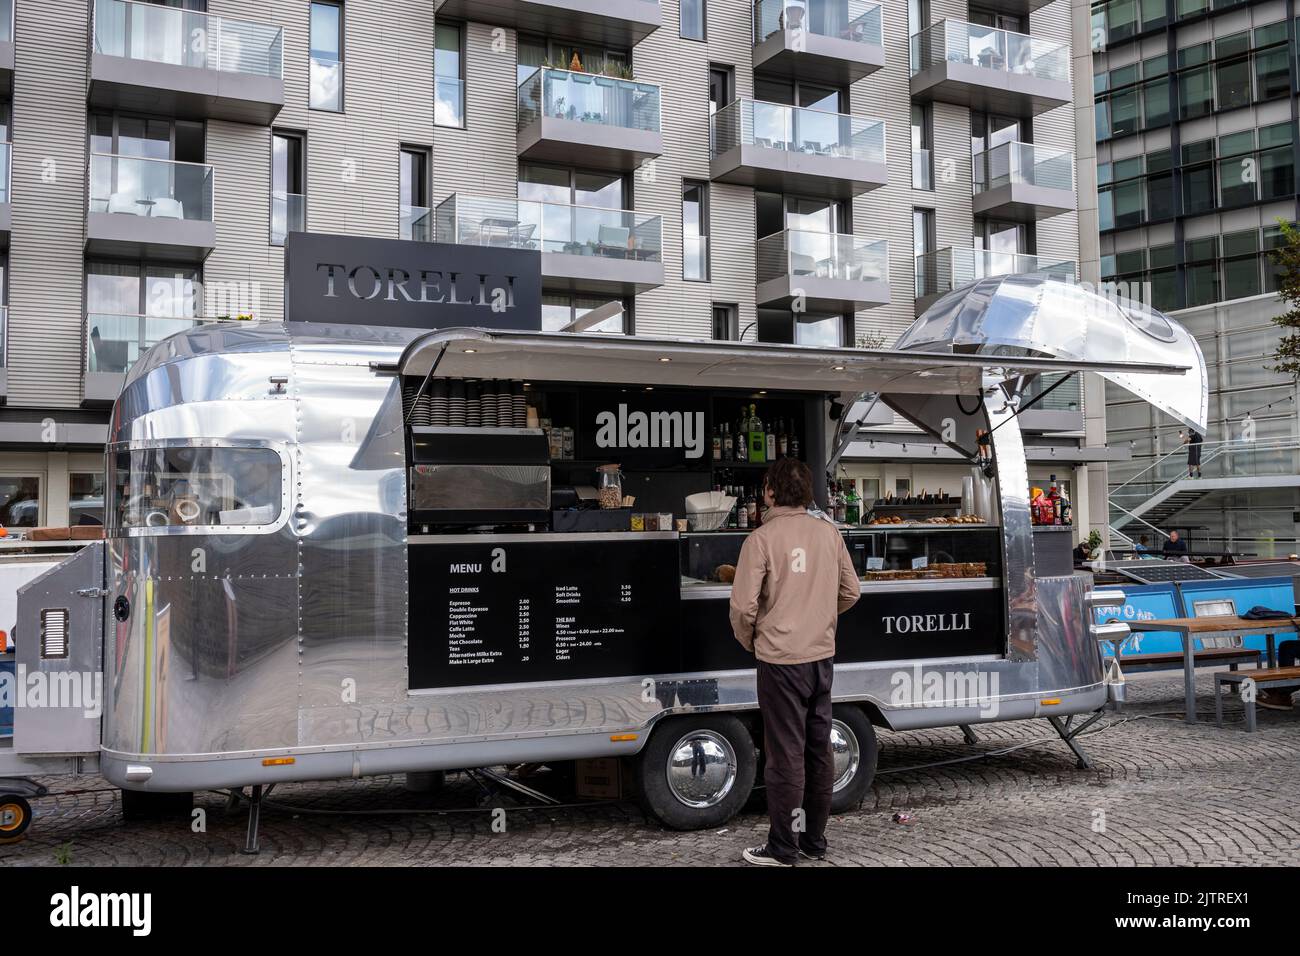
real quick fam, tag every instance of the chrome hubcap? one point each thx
(701, 769)
(847, 752)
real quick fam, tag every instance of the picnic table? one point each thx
(1189, 629)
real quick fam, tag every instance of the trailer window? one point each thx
(188, 486)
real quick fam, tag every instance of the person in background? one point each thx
(1193, 440)
(1143, 547)
(793, 580)
(1175, 547)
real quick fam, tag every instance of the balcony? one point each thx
(1059, 410)
(826, 272)
(1022, 182)
(6, 179)
(114, 342)
(991, 70)
(6, 47)
(616, 23)
(156, 59)
(819, 41)
(150, 209)
(288, 214)
(939, 272)
(584, 248)
(415, 223)
(792, 149)
(588, 119)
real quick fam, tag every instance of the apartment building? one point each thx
(790, 170)
(1196, 118)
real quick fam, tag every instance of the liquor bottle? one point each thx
(727, 450)
(1067, 512)
(852, 505)
(757, 440)
(742, 441)
(770, 434)
(742, 512)
(1054, 496)
(782, 440)
(794, 443)
(751, 509)
(717, 443)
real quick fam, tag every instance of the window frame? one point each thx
(704, 22)
(703, 233)
(462, 73)
(341, 7)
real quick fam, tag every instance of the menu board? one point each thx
(505, 612)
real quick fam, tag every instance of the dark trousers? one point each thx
(1288, 654)
(795, 701)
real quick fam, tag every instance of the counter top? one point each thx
(704, 590)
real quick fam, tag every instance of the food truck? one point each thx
(346, 550)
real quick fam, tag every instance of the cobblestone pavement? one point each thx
(1160, 793)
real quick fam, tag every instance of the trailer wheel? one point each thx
(15, 817)
(697, 772)
(853, 743)
(151, 805)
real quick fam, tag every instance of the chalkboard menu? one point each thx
(512, 611)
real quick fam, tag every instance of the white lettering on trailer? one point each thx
(926, 623)
(624, 429)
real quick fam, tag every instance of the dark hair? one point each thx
(791, 483)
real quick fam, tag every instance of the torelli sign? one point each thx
(354, 280)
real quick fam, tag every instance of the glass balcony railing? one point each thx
(797, 130)
(550, 227)
(448, 101)
(6, 151)
(922, 169)
(115, 341)
(855, 20)
(288, 214)
(154, 188)
(822, 255)
(588, 98)
(946, 269)
(955, 41)
(695, 257)
(1067, 397)
(1025, 164)
(158, 34)
(325, 83)
(416, 222)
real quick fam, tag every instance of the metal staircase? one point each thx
(1152, 497)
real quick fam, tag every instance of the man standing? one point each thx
(793, 580)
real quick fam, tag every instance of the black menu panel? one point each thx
(507, 612)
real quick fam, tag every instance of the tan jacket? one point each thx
(793, 580)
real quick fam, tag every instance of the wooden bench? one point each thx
(1272, 678)
(1209, 657)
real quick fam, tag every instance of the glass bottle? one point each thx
(757, 440)
(742, 442)
(782, 440)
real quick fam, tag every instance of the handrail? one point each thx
(1216, 450)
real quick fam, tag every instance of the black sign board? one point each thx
(640, 429)
(356, 280)
(514, 612)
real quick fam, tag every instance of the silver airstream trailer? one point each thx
(316, 568)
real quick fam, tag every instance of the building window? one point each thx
(20, 501)
(695, 231)
(560, 309)
(288, 187)
(413, 183)
(326, 79)
(85, 497)
(922, 146)
(448, 76)
(726, 323)
(693, 17)
(130, 306)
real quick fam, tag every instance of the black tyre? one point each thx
(15, 817)
(853, 741)
(696, 772)
(149, 805)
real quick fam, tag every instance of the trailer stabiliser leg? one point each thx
(1069, 735)
(969, 734)
(255, 817)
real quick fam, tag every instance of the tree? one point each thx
(1287, 258)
